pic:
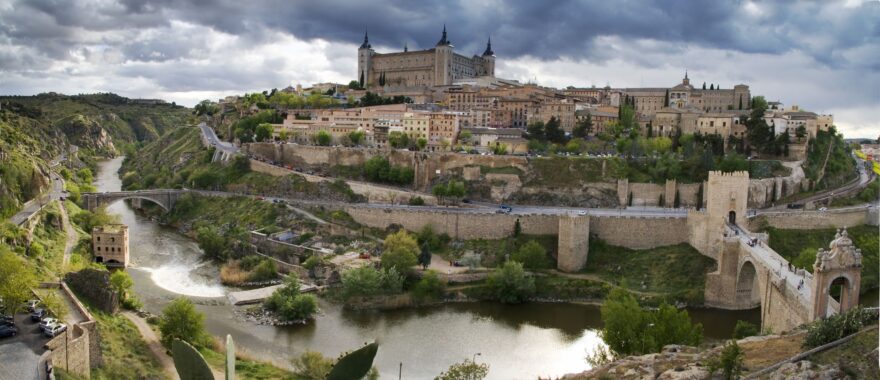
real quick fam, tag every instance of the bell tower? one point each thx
(443, 61)
(365, 55)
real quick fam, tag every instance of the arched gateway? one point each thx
(840, 265)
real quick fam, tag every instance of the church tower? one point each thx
(365, 55)
(489, 59)
(443, 56)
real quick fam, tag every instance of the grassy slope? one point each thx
(856, 358)
(791, 243)
(126, 355)
(239, 211)
(677, 270)
(840, 167)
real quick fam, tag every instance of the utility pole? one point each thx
(400, 371)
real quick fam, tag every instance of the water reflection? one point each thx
(518, 341)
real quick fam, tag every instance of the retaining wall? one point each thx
(809, 220)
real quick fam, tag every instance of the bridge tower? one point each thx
(727, 196)
(841, 264)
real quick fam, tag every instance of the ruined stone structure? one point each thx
(110, 245)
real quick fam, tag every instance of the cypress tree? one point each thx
(704, 85)
(712, 86)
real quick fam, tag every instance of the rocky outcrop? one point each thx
(807, 370)
(766, 191)
(94, 286)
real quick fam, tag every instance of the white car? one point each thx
(48, 322)
(55, 330)
(582, 212)
(823, 209)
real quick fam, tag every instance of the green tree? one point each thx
(400, 251)
(517, 228)
(531, 255)
(511, 284)
(630, 330)
(553, 131)
(425, 256)
(536, 131)
(323, 138)
(356, 137)
(421, 143)
(16, 279)
(466, 370)
(584, 127)
(263, 132)
(181, 320)
(801, 131)
(121, 282)
(398, 139)
(211, 242)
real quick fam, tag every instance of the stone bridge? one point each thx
(165, 198)
(750, 274)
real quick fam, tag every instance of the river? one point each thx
(518, 342)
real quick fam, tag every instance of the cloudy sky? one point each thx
(822, 55)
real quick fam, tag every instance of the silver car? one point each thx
(55, 330)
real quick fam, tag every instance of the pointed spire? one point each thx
(685, 74)
(443, 40)
(489, 48)
(366, 44)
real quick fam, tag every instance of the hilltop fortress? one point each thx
(438, 66)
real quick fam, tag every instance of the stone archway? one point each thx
(842, 286)
(747, 293)
(840, 265)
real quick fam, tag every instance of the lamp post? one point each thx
(474, 358)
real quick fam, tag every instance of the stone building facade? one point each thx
(110, 245)
(438, 66)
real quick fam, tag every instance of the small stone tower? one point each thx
(443, 55)
(365, 55)
(110, 245)
(488, 59)
(841, 265)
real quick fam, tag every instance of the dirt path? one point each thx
(72, 236)
(153, 342)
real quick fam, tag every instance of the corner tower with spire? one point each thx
(365, 58)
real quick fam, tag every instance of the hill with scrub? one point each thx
(36, 129)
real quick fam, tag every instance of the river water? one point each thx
(518, 342)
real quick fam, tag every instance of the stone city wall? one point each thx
(809, 220)
(629, 232)
(639, 232)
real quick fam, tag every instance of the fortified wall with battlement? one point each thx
(428, 166)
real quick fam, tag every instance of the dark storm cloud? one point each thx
(543, 29)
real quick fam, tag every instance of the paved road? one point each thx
(32, 207)
(20, 355)
(215, 141)
(775, 263)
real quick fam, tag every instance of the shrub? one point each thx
(745, 329)
(429, 287)
(249, 262)
(416, 201)
(264, 271)
(837, 326)
(532, 256)
(181, 320)
(730, 362)
(312, 365)
(466, 370)
(511, 284)
(363, 281)
(302, 306)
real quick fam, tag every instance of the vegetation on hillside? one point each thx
(837, 169)
(678, 270)
(800, 248)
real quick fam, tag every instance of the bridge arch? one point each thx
(110, 201)
(747, 289)
(165, 198)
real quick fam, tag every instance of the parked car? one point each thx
(582, 212)
(31, 305)
(48, 322)
(8, 331)
(55, 330)
(38, 314)
(823, 209)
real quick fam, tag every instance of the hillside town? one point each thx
(437, 215)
